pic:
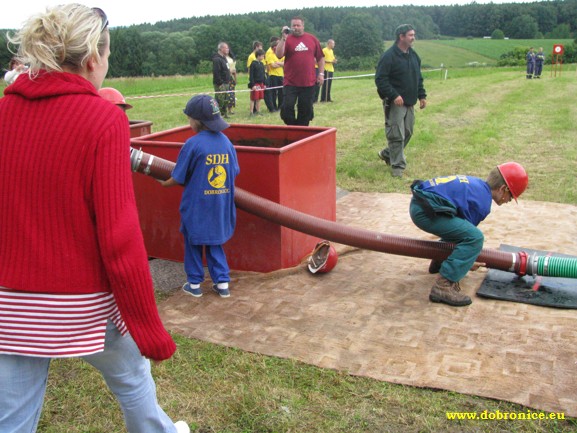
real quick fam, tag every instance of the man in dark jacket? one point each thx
(221, 77)
(399, 84)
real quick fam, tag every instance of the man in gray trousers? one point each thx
(399, 84)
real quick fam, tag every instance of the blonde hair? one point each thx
(65, 36)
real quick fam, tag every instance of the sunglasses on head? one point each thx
(102, 16)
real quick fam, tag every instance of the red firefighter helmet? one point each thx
(114, 96)
(323, 258)
(515, 177)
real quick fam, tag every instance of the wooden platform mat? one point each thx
(371, 315)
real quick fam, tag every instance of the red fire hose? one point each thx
(365, 239)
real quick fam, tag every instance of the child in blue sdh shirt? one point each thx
(451, 207)
(207, 166)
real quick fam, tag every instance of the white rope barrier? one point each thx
(212, 92)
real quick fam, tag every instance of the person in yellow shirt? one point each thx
(330, 61)
(275, 73)
(256, 45)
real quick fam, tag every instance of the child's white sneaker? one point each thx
(223, 292)
(194, 291)
(182, 427)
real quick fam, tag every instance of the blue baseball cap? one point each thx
(204, 108)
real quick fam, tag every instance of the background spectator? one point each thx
(399, 84)
(300, 50)
(330, 61)
(221, 78)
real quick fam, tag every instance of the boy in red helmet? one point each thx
(451, 207)
(114, 96)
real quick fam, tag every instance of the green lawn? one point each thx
(458, 53)
(434, 54)
(475, 119)
(493, 48)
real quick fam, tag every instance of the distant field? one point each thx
(433, 54)
(457, 53)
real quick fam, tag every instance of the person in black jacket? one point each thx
(399, 84)
(256, 82)
(221, 78)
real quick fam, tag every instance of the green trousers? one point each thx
(467, 238)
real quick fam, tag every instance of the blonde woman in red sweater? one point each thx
(74, 275)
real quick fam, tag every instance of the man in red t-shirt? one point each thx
(301, 50)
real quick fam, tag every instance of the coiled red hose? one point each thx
(356, 237)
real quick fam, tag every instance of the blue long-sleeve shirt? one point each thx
(470, 196)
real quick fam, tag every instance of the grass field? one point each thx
(434, 54)
(457, 53)
(475, 119)
(493, 48)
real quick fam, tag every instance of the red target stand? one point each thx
(557, 60)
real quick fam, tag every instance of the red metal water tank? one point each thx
(290, 165)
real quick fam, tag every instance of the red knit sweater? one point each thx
(68, 217)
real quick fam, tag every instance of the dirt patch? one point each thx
(371, 315)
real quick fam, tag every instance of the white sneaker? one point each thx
(182, 427)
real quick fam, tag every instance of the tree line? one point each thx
(185, 46)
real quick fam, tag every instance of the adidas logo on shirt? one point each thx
(301, 47)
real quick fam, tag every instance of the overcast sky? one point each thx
(127, 12)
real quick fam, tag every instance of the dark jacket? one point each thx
(256, 73)
(220, 70)
(399, 73)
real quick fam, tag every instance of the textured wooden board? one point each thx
(371, 315)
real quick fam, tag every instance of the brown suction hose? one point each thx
(356, 237)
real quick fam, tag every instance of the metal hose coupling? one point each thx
(135, 158)
(145, 163)
(552, 266)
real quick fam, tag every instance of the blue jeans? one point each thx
(467, 238)
(126, 372)
(215, 261)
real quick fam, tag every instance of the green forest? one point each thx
(185, 46)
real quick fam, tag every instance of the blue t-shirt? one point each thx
(207, 166)
(471, 196)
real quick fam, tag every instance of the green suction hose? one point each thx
(564, 267)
